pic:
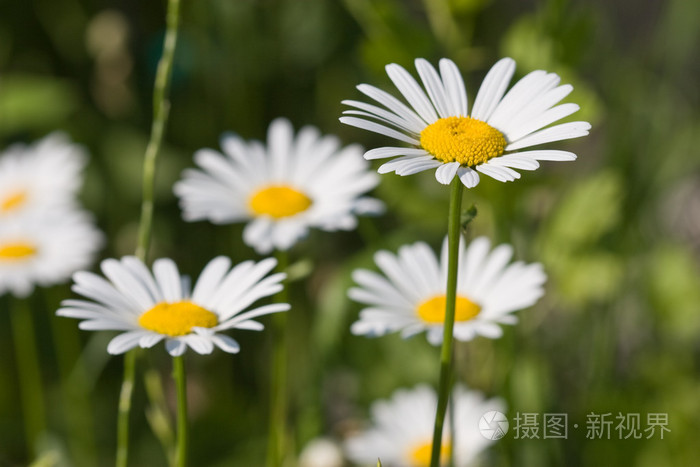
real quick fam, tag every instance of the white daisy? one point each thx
(446, 137)
(411, 298)
(44, 175)
(283, 189)
(151, 307)
(45, 249)
(402, 431)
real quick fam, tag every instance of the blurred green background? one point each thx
(618, 230)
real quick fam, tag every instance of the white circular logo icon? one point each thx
(493, 425)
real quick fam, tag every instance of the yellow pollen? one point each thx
(16, 251)
(420, 456)
(13, 201)
(177, 319)
(432, 311)
(463, 139)
(279, 201)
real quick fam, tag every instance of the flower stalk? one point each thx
(445, 383)
(181, 386)
(161, 108)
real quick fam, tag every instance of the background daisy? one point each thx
(282, 189)
(410, 296)
(402, 429)
(446, 137)
(45, 248)
(44, 175)
(151, 307)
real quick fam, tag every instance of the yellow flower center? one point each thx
(279, 201)
(16, 251)
(177, 319)
(13, 201)
(432, 311)
(420, 455)
(463, 139)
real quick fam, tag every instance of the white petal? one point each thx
(385, 115)
(384, 152)
(556, 133)
(468, 176)
(446, 172)
(226, 343)
(502, 174)
(515, 161)
(175, 347)
(454, 86)
(124, 342)
(377, 128)
(493, 88)
(210, 278)
(544, 119)
(168, 279)
(412, 92)
(433, 84)
(548, 155)
(393, 104)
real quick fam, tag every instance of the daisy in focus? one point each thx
(282, 189)
(45, 249)
(154, 306)
(410, 296)
(402, 431)
(44, 175)
(444, 135)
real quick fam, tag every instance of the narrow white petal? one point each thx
(446, 172)
(493, 88)
(124, 342)
(384, 152)
(548, 155)
(502, 174)
(525, 91)
(377, 128)
(433, 84)
(385, 115)
(175, 347)
(210, 278)
(226, 343)
(413, 93)
(544, 119)
(454, 86)
(515, 161)
(392, 103)
(555, 133)
(168, 279)
(468, 176)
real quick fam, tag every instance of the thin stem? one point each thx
(125, 408)
(29, 373)
(278, 439)
(161, 107)
(161, 110)
(453, 232)
(181, 386)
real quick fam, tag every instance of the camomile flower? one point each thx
(402, 431)
(410, 296)
(45, 249)
(444, 135)
(282, 189)
(154, 306)
(44, 175)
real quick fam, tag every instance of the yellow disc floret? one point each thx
(462, 139)
(16, 251)
(278, 201)
(13, 201)
(432, 311)
(420, 455)
(177, 319)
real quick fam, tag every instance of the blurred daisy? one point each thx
(445, 136)
(45, 249)
(283, 189)
(44, 175)
(411, 296)
(151, 307)
(402, 431)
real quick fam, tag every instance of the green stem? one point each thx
(125, 408)
(453, 232)
(161, 107)
(29, 373)
(161, 110)
(278, 439)
(181, 386)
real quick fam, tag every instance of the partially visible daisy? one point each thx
(444, 135)
(281, 190)
(154, 306)
(402, 431)
(44, 175)
(410, 296)
(45, 249)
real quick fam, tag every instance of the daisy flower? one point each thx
(44, 175)
(445, 136)
(402, 431)
(45, 249)
(151, 307)
(281, 190)
(410, 296)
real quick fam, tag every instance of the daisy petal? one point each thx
(446, 172)
(492, 89)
